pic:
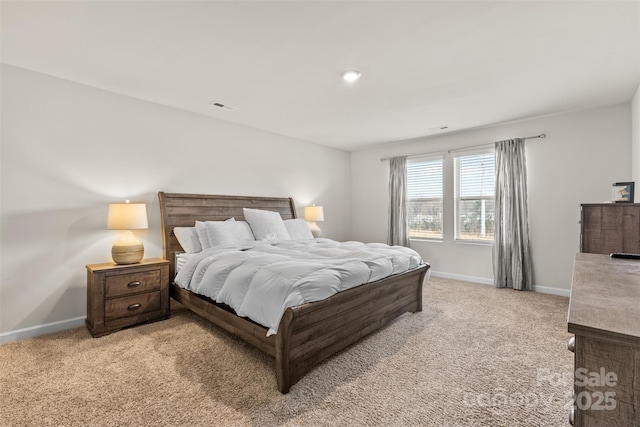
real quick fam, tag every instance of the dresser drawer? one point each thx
(131, 305)
(129, 283)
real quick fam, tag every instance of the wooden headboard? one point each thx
(182, 210)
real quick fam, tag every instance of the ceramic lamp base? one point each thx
(315, 230)
(127, 250)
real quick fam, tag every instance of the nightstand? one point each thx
(119, 296)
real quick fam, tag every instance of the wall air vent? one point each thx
(223, 106)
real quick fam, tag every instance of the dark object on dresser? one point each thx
(624, 255)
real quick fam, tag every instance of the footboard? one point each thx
(312, 332)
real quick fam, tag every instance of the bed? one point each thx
(306, 334)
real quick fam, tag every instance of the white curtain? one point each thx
(398, 227)
(512, 265)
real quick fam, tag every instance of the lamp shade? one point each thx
(313, 213)
(127, 216)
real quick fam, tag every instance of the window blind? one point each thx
(424, 197)
(474, 195)
(476, 175)
(424, 179)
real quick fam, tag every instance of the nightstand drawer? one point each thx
(132, 305)
(129, 283)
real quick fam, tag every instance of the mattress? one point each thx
(261, 279)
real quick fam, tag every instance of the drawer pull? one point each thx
(134, 306)
(571, 344)
(134, 284)
(572, 416)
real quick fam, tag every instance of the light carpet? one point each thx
(475, 356)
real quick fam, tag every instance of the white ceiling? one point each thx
(425, 64)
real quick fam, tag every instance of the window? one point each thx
(475, 196)
(424, 198)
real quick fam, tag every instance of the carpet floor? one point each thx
(475, 356)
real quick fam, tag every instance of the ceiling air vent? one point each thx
(223, 106)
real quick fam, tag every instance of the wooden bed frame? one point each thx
(309, 333)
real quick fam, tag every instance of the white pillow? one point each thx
(266, 224)
(188, 239)
(228, 233)
(201, 230)
(298, 229)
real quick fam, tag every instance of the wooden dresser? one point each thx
(604, 315)
(610, 227)
(119, 296)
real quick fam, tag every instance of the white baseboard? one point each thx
(485, 281)
(38, 330)
(472, 279)
(552, 291)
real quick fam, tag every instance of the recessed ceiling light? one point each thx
(351, 75)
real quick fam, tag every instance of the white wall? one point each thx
(68, 150)
(635, 138)
(583, 154)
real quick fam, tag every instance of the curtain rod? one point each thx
(541, 136)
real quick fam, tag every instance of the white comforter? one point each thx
(260, 280)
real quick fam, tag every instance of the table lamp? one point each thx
(312, 214)
(127, 216)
